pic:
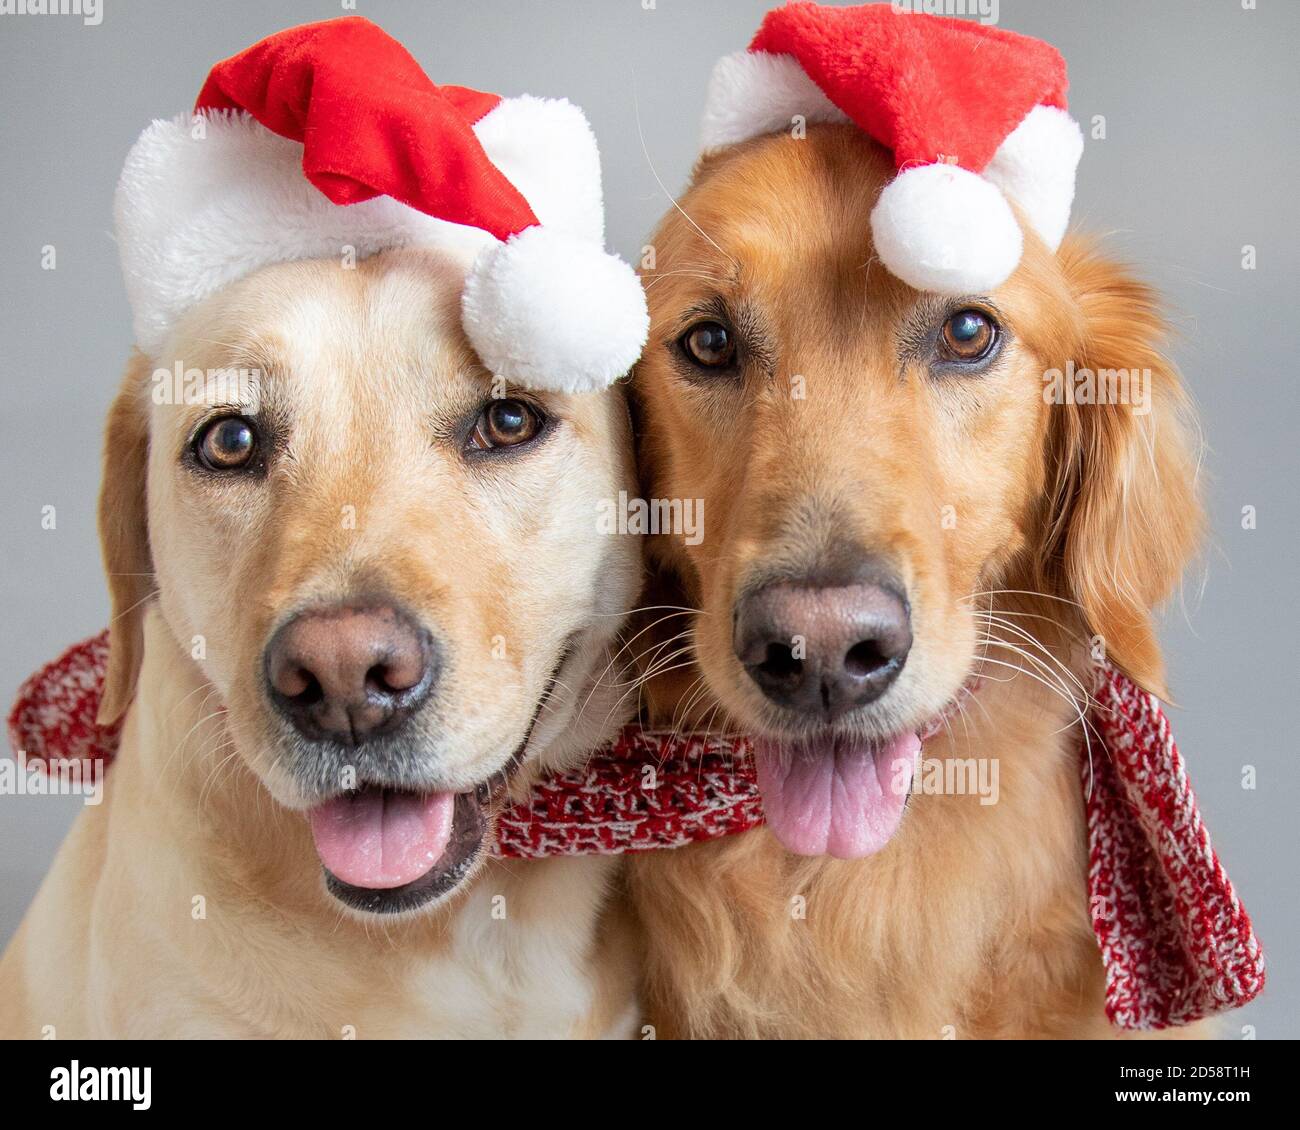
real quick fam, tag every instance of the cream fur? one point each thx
(111, 948)
(370, 375)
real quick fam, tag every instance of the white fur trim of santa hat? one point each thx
(753, 92)
(1035, 166)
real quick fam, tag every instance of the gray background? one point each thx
(1199, 98)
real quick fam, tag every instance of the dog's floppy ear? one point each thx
(124, 538)
(1125, 514)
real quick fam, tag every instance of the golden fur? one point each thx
(191, 901)
(1011, 521)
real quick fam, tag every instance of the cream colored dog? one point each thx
(357, 605)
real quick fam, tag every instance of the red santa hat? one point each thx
(329, 136)
(972, 114)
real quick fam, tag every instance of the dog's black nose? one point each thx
(823, 648)
(349, 673)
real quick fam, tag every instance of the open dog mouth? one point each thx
(839, 795)
(387, 850)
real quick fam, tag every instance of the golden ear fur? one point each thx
(124, 537)
(1123, 481)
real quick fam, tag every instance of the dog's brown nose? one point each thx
(823, 649)
(349, 673)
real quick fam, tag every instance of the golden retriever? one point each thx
(908, 538)
(358, 603)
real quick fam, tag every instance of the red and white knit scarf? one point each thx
(1176, 943)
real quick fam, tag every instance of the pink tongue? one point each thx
(381, 838)
(829, 798)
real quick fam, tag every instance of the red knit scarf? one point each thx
(1176, 943)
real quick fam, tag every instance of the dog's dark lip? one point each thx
(470, 821)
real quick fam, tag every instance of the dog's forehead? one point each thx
(394, 308)
(393, 316)
(782, 217)
(798, 191)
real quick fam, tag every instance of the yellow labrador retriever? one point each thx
(358, 602)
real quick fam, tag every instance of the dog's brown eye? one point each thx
(710, 345)
(226, 444)
(505, 423)
(968, 335)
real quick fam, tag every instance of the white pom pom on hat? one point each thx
(942, 228)
(974, 116)
(519, 307)
(330, 136)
